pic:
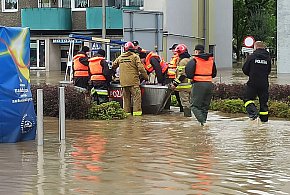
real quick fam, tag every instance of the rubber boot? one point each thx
(187, 112)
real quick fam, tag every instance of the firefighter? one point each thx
(130, 68)
(182, 83)
(171, 73)
(201, 69)
(153, 63)
(100, 77)
(81, 68)
(258, 68)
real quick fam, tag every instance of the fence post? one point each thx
(40, 117)
(61, 114)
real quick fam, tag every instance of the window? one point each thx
(44, 3)
(66, 3)
(9, 5)
(134, 3)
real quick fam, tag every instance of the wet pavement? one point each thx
(164, 154)
(152, 155)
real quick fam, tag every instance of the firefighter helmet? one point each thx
(180, 49)
(128, 45)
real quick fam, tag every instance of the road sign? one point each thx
(247, 50)
(249, 41)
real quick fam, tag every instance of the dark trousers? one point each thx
(176, 93)
(201, 94)
(100, 97)
(82, 82)
(251, 94)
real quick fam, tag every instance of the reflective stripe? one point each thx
(180, 67)
(99, 91)
(138, 113)
(183, 87)
(264, 113)
(249, 102)
(102, 92)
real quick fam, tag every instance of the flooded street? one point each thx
(164, 154)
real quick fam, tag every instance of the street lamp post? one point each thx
(104, 22)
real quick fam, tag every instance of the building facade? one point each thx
(190, 22)
(283, 37)
(208, 22)
(51, 21)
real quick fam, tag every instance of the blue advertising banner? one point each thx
(17, 114)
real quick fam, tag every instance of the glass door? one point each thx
(37, 54)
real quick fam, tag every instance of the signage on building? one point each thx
(96, 46)
(64, 41)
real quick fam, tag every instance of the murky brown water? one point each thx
(148, 155)
(234, 75)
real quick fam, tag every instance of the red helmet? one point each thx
(129, 45)
(180, 49)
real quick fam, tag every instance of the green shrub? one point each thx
(106, 111)
(228, 106)
(279, 109)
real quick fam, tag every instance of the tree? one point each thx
(256, 18)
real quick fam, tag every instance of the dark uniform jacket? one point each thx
(258, 68)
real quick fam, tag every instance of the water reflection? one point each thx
(164, 154)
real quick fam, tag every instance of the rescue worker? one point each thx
(171, 73)
(153, 62)
(182, 83)
(130, 68)
(201, 69)
(81, 68)
(100, 77)
(258, 68)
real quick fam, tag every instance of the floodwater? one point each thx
(152, 155)
(227, 75)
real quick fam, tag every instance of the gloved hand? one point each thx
(144, 82)
(172, 86)
(175, 82)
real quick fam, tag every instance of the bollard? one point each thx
(61, 114)
(40, 117)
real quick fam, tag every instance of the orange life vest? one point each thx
(96, 69)
(203, 70)
(172, 66)
(80, 70)
(148, 66)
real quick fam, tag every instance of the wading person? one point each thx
(81, 68)
(182, 83)
(258, 68)
(130, 67)
(100, 77)
(201, 69)
(171, 73)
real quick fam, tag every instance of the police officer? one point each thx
(100, 77)
(201, 69)
(81, 69)
(130, 68)
(258, 68)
